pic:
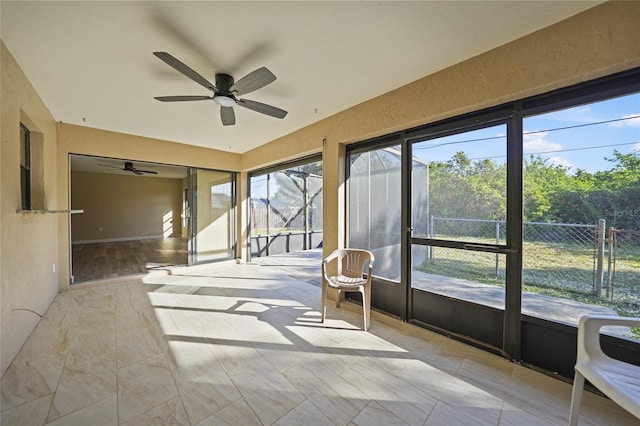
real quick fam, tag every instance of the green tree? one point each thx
(462, 188)
(552, 194)
(542, 179)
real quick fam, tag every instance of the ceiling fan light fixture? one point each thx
(224, 101)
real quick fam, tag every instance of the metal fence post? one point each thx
(610, 263)
(497, 242)
(600, 258)
(432, 231)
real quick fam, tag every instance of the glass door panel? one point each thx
(581, 248)
(375, 207)
(375, 222)
(212, 201)
(458, 233)
(459, 187)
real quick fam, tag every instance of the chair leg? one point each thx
(338, 298)
(323, 311)
(576, 399)
(366, 305)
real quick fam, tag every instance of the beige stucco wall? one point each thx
(28, 242)
(598, 42)
(119, 207)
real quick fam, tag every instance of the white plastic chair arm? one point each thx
(589, 333)
(325, 262)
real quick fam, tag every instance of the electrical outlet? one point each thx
(99, 228)
(54, 268)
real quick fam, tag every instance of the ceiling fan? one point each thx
(129, 167)
(226, 90)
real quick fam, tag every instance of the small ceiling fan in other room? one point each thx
(129, 167)
(226, 91)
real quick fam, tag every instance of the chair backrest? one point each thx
(352, 262)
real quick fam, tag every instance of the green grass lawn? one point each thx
(558, 270)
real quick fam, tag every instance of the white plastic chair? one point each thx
(618, 380)
(350, 277)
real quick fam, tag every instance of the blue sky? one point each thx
(576, 138)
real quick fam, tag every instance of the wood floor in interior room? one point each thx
(96, 261)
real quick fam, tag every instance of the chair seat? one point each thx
(618, 380)
(344, 281)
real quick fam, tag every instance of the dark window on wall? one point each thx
(25, 166)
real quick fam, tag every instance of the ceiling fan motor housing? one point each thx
(223, 96)
(224, 83)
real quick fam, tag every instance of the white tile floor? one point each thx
(229, 344)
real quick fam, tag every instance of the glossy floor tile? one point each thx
(242, 344)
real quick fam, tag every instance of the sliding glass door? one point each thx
(502, 228)
(434, 209)
(459, 231)
(211, 200)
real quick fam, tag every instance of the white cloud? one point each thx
(636, 147)
(630, 120)
(579, 111)
(536, 142)
(562, 162)
(580, 114)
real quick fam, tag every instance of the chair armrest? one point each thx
(603, 320)
(372, 259)
(589, 332)
(333, 256)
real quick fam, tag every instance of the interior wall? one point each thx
(124, 207)
(28, 241)
(598, 42)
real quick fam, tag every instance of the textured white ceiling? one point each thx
(92, 62)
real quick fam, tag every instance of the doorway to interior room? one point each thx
(140, 216)
(133, 218)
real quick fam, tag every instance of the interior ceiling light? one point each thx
(224, 101)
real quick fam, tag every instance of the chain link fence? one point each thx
(562, 256)
(566, 257)
(623, 283)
